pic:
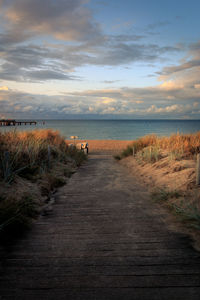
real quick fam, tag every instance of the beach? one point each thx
(103, 145)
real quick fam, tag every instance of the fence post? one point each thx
(198, 170)
(150, 152)
(133, 151)
(49, 156)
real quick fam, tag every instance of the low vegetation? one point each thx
(188, 210)
(178, 146)
(167, 165)
(32, 165)
(162, 194)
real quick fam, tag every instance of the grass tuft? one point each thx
(127, 152)
(189, 212)
(160, 195)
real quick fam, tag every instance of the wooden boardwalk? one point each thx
(104, 239)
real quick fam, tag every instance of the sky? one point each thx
(114, 59)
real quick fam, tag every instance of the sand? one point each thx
(104, 145)
(165, 173)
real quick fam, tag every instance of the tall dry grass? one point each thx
(31, 151)
(178, 145)
(40, 159)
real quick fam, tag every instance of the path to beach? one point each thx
(104, 239)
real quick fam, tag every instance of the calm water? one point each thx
(115, 129)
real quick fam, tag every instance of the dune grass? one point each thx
(39, 159)
(178, 146)
(150, 149)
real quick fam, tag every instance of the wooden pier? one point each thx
(14, 122)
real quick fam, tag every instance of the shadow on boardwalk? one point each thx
(104, 239)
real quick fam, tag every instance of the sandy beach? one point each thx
(104, 145)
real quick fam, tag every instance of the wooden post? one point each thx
(49, 156)
(150, 152)
(198, 170)
(133, 151)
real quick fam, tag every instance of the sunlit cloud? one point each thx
(3, 88)
(171, 85)
(107, 100)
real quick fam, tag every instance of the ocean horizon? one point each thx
(112, 129)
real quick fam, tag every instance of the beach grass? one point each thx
(167, 165)
(32, 164)
(178, 146)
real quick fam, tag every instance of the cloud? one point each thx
(168, 109)
(114, 54)
(32, 62)
(3, 88)
(185, 66)
(143, 102)
(66, 20)
(27, 108)
(50, 40)
(190, 64)
(107, 100)
(171, 85)
(74, 40)
(110, 81)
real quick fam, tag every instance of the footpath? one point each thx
(104, 239)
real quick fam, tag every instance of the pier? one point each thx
(14, 122)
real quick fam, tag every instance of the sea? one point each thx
(112, 129)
